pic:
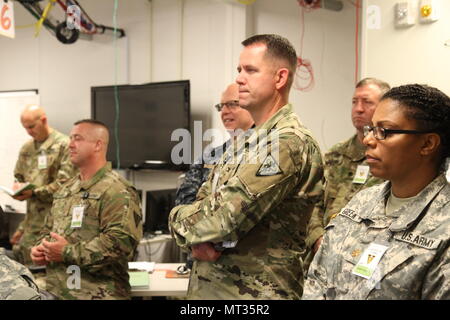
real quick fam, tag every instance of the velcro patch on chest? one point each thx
(269, 167)
(418, 240)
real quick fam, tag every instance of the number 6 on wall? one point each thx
(7, 19)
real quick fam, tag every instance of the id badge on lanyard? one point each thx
(369, 260)
(77, 216)
(361, 175)
(42, 161)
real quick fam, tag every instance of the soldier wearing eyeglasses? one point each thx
(392, 240)
(235, 119)
(346, 170)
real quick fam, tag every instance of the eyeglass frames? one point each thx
(381, 133)
(230, 104)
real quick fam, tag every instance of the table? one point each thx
(162, 286)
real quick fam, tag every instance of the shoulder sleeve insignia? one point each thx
(269, 167)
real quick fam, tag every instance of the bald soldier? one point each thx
(94, 226)
(247, 228)
(44, 162)
(236, 120)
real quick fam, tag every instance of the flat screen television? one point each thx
(157, 209)
(148, 114)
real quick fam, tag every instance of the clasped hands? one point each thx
(49, 251)
(205, 252)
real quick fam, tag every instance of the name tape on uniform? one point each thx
(351, 214)
(418, 240)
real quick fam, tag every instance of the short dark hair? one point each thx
(91, 121)
(429, 107)
(278, 47)
(384, 86)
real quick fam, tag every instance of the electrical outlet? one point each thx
(405, 14)
(428, 11)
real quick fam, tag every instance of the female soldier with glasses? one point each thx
(392, 241)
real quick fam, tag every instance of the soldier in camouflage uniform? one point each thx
(346, 171)
(392, 240)
(247, 228)
(95, 224)
(43, 161)
(16, 281)
(233, 117)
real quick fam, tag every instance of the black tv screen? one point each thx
(148, 114)
(157, 209)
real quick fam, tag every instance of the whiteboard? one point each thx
(13, 136)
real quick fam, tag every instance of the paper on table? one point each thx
(143, 266)
(139, 279)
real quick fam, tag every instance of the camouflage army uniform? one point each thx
(266, 214)
(16, 281)
(110, 232)
(197, 174)
(416, 264)
(59, 169)
(341, 163)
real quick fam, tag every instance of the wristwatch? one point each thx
(221, 246)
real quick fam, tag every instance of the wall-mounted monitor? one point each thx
(148, 114)
(157, 209)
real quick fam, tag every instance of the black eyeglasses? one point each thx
(381, 133)
(230, 104)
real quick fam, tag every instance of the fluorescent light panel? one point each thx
(8, 94)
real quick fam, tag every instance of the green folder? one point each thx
(12, 193)
(139, 279)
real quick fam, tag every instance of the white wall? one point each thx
(415, 54)
(64, 74)
(13, 137)
(329, 44)
(212, 31)
(197, 40)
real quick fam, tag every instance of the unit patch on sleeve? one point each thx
(269, 167)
